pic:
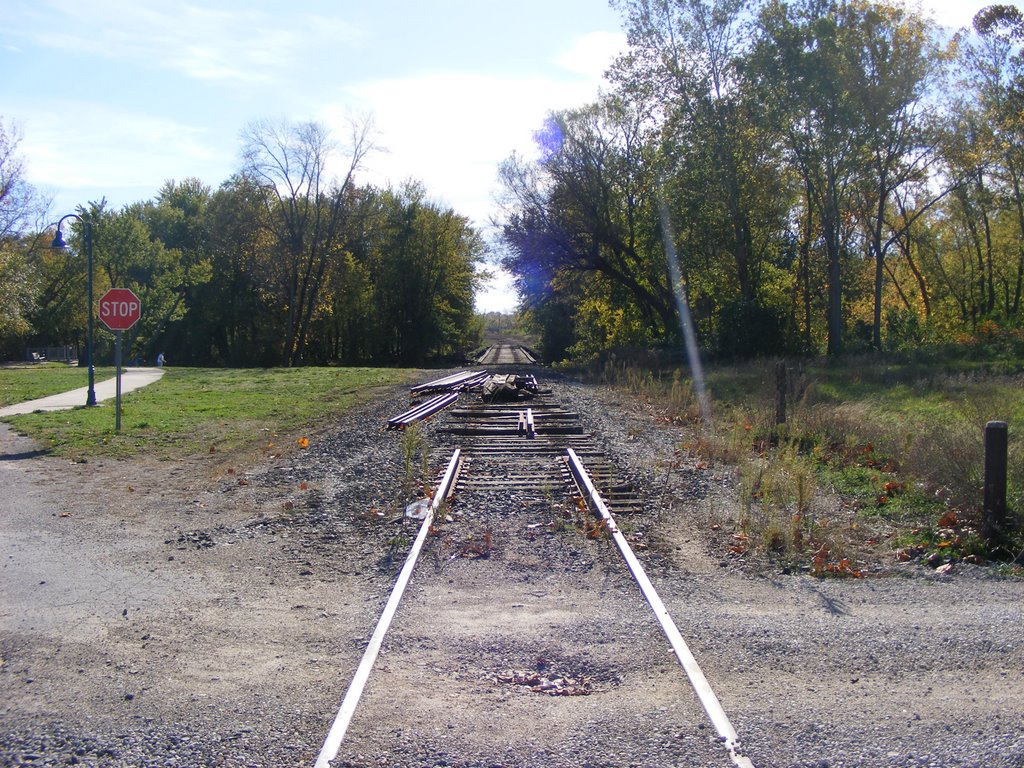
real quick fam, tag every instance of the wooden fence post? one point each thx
(993, 522)
(780, 392)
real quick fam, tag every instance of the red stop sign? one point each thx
(120, 309)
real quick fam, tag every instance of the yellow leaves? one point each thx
(303, 442)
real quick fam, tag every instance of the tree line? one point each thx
(831, 175)
(286, 263)
(815, 176)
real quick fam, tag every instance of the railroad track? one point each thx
(524, 446)
(507, 354)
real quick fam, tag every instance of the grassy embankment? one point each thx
(191, 410)
(876, 460)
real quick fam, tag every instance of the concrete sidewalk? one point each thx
(131, 378)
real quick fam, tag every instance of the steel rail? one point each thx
(422, 411)
(355, 689)
(524, 355)
(708, 699)
(449, 382)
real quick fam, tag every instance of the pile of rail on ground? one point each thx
(495, 388)
(448, 389)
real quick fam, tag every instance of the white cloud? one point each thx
(78, 145)
(453, 129)
(591, 54)
(450, 130)
(952, 14)
(237, 46)
(498, 294)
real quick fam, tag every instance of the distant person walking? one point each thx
(160, 360)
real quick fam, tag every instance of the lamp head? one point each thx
(58, 241)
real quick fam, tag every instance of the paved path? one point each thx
(131, 378)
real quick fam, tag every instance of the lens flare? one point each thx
(685, 319)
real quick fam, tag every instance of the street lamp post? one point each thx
(58, 242)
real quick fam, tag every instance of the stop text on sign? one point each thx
(117, 309)
(120, 309)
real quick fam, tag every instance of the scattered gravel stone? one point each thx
(213, 614)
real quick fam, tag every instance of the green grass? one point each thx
(900, 444)
(920, 394)
(29, 382)
(202, 410)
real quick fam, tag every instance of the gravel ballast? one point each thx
(211, 613)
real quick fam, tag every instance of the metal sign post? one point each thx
(117, 364)
(120, 309)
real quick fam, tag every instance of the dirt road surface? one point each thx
(211, 613)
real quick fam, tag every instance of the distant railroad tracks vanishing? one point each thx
(507, 354)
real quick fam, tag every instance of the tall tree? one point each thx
(811, 65)
(983, 147)
(21, 208)
(719, 164)
(589, 206)
(235, 320)
(899, 62)
(306, 209)
(178, 219)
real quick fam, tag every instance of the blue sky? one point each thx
(115, 97)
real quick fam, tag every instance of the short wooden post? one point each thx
(993, 521)
(780, 392)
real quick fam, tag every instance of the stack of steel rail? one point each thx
(454, 383)
(448, 387)
(424, 410)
